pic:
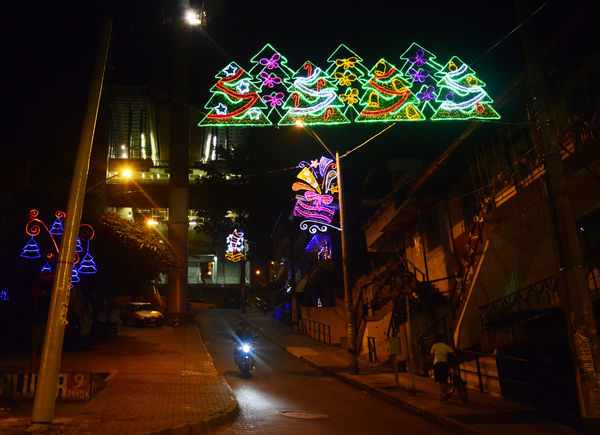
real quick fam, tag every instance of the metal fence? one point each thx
(317, 330)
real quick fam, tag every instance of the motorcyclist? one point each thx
(243, 335)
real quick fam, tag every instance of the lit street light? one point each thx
(126, 173)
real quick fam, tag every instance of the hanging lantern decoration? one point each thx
(318, 202)
(235, 246)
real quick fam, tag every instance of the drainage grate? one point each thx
(305, 415)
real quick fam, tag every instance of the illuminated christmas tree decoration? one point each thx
(313, 99)
(31, 249)
(421, 69)
(75, 275)
(270, 93)
(316, 205)
(235, 100)
(87, 263)
(463, 94)
(78, 247)
(388, 97)
(235, 246)
(348, 70)
(57, 228)
(271, 70)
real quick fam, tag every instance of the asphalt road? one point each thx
(283, 383)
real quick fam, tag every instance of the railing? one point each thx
(317, 330)
(540, 295)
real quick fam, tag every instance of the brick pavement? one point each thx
(483, 414)
(162, 380)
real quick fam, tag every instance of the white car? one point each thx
(141, 313)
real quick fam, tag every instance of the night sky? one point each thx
(51, 46)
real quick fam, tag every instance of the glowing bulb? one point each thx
(151, 222)
(246, 348)
(299, 123)
(192, 18)
(127, 173)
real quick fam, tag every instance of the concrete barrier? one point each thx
(72, 385)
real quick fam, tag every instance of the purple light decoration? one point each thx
(46, 268)
(57, 228)
(427, 95)
(275, 99)
(272, 62)
(74, 275)
(315, 206)
(419, 60)
(418, 76)
(31, 249)
(317, 243)
(235, 246)
(87, 263)
(269, 80)
(78, 248)
(4, 296)
(450, 96)
(324, 163)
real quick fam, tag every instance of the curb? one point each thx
(441, 420)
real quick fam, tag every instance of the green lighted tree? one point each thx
(387, 97)
(462, 95)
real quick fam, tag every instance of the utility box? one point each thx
(394, 345)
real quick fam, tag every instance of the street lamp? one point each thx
(350, 318)
(126, 173)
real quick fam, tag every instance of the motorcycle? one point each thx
(245, 358)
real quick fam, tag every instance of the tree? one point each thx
(387, 97)
(129, 257)
(462, 94)
(420, 69)
(313, 99)
(235, 100)
(349, 73)
(271, 70)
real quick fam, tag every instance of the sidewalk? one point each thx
(483, 414)
(162, 380)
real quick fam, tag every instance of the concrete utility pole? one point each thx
(577, 304)
(350, 317)
(179, 167)
(47, 382)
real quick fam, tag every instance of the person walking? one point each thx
(440, 351)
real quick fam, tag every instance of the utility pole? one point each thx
(350, 317)
(179, 161)
(579, 314)
(47, 382)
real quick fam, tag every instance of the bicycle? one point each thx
(455, 383)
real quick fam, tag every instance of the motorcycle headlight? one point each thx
(246, 348)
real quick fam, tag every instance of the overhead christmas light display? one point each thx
(271, 93)
(388, 97)
(348, 71)
(318, 202)
(31, 250)
(235, 100)
(235, 246)
(313, 99)
(271, 71)
(462, 94)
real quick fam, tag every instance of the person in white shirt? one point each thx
(440, 351)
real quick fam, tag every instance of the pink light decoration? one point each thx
(272, 62)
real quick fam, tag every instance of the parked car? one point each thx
(195, 305)
(141, 313)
